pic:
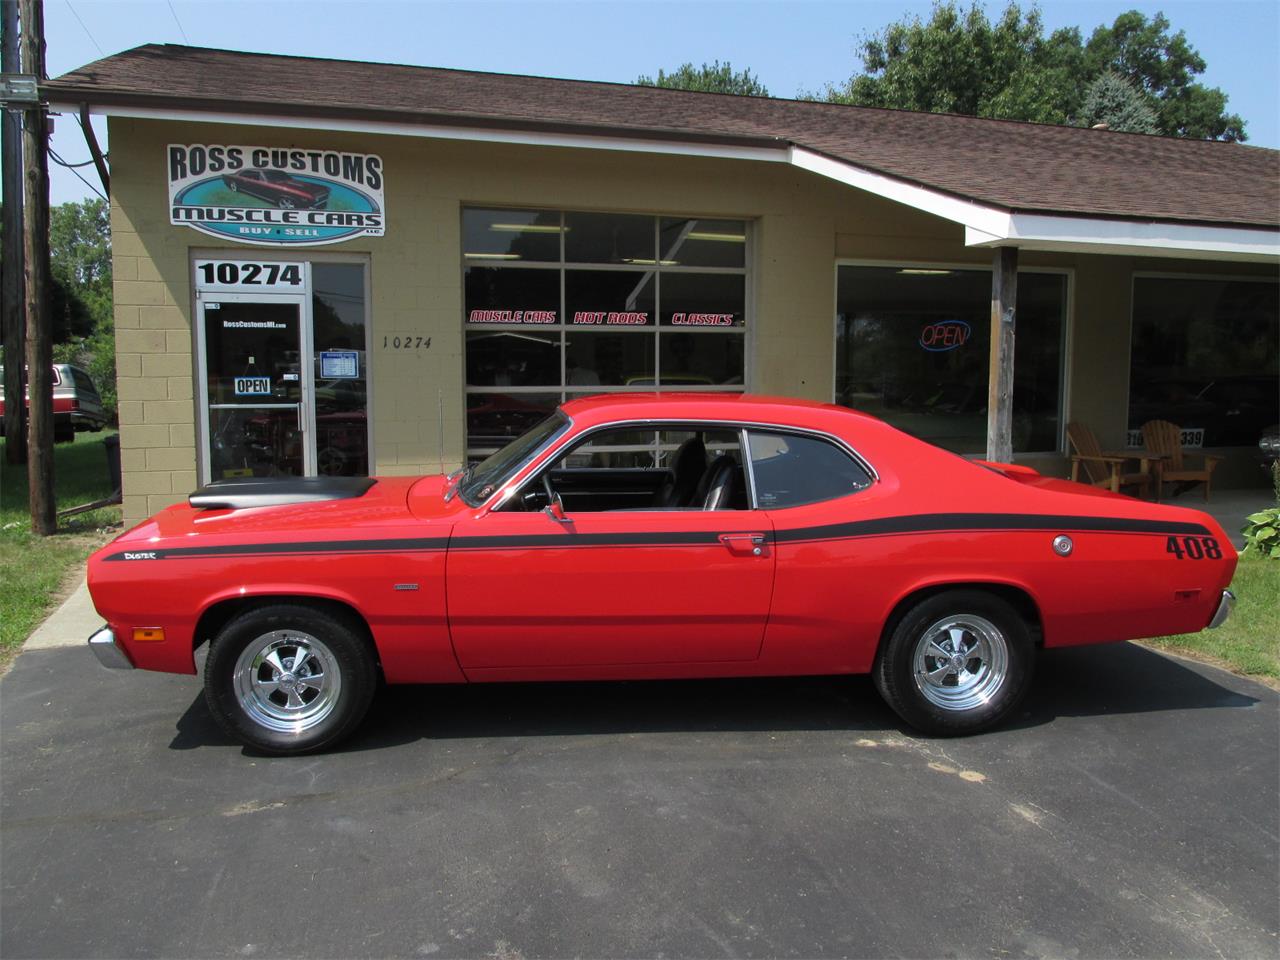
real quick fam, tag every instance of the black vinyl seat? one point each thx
(688, 466)
(719, 484)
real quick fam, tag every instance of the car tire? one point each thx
(290, 678)
(64, 433)
(232, 186)
(956, 663)
(284, 203)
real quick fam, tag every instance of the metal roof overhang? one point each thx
(985, 225)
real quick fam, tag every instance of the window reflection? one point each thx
(913, 348)
(1206, 356)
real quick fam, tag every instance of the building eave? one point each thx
(986, 225)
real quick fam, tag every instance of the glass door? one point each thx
(256, 386)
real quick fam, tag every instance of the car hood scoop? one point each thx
(243, 494)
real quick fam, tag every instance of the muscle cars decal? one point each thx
(933, 523)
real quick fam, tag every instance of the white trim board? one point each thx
(985, 226)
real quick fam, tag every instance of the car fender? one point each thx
(936, 583)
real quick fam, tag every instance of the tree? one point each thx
(1114, 101)
(81, 302)
(709, 78)
(960, 62)
(1164, 68)
(80, 253)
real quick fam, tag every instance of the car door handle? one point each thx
(744, 542)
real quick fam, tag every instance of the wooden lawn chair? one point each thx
(1165, 438)
(1106, 469)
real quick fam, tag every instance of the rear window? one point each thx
(83, 382)
(791, 470)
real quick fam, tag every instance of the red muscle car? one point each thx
(651, 536)
(273, 186)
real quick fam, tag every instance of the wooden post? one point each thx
(13, 320)
(35, 249)
(1004, 298)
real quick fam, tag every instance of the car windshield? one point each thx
(276, 176)
(479, 481)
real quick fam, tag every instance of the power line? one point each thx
(72, 167)
(83, 27)
(185, 39)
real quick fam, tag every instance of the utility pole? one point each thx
(13, 320)
(35, 248)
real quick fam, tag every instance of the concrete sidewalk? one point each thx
(68, 626)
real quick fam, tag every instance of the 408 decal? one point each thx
(1193, 548)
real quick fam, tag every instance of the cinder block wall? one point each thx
(802, 224)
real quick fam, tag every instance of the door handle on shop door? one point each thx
(744, 542)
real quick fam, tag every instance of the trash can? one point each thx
(112, 445)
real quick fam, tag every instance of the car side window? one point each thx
(646, 468)
(792, 469)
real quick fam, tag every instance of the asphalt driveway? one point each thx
(1132, 811)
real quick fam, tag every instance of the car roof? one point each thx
(784, 411)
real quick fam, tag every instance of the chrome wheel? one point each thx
(287, 681)
(961, 662)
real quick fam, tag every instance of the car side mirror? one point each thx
(555, 506)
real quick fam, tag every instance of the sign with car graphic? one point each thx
(275, 196)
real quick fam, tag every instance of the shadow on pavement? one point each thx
(1076, 682)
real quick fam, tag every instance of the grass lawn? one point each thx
(1249, 642)
(32, 569)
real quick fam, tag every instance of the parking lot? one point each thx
(1131, 810)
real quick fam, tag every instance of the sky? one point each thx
(792, 47)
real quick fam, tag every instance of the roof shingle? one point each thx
(1019, 167)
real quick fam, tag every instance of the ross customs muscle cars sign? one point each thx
(275, 196)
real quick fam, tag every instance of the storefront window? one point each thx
(558, 305)
(913, 348)
(1206, 356)
(341, 369)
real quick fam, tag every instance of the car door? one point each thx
(667, 585)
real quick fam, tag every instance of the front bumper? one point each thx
(1225, 606)
(108, 651)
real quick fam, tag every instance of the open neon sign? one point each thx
(944, 335)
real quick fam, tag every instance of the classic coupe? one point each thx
(651, 536)
(273, 186)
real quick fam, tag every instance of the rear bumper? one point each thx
(108, 651)
(1225, 606)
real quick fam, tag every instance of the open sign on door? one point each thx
(253, 386)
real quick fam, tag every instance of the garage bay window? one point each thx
(563, 304)
(1206, 356)
(913, 348)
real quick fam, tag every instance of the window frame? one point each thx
(1137, 275)
(657, 331)
(252, 254)
(548, 458)
(1066, 344)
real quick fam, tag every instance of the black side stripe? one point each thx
(957, 522)
(887, 526)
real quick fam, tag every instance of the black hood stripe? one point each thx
(887, 526)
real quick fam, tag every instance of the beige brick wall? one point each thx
(803, 223)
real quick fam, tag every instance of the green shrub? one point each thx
(1262, 533)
